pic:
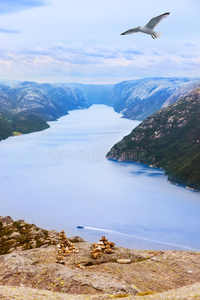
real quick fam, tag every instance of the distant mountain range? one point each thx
(137, 99)
(168, 139)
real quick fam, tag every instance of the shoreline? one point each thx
(154, 166)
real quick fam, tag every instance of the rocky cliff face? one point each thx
(168, 139)
(19, 235)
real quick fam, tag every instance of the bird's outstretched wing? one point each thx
(130, 31)
(154, 22)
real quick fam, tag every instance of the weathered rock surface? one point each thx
(37, 269)
(154, 271)
(34, 273)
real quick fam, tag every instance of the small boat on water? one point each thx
(80, 226)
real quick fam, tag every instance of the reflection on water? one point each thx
(60, 178)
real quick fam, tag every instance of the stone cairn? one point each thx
(103, 246)
(64, 248)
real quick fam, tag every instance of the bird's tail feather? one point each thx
(157, 34)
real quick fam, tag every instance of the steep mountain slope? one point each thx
(179, 94)
(46, 100)
(138, 99)
(168, 139)
(135, 99)
(26, 106)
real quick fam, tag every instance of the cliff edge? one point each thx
(126, 273)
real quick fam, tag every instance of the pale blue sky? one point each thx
(80, 41)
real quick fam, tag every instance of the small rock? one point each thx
(104, 240)
(94, 246)
(39, 233)
(45, 245)
(124, 261)
(15, 235)
(6, 220)
(96, 253)
(81, 267)
(109, 251)
(76, 239)
(20, 221)
(111, 244)
(100, 243)
(108, 247)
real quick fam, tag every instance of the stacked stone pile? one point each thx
(64, 248)
(103, 246)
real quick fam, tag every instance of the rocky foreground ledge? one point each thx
(36, 274)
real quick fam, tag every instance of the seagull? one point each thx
(149, 27)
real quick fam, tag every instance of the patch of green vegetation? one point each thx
(14, 125)
(23, 240)
(119, 296)
(6, 231)
(39, 243)
(17, 225)
(146, 293)
(6, 128)
(6, 245)
(28, 123)
(45, 232)
(15, 133)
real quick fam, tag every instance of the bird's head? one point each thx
(138, 27)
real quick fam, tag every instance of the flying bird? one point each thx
(149, 27)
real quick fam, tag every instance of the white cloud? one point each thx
(85, 64)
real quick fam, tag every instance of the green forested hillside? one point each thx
(12, 124)
(169, 139)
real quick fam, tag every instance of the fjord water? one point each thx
(59, 178)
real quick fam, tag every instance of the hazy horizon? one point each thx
(95, 83)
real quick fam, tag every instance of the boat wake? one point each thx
(143, 238)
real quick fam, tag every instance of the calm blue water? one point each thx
(60, 178)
